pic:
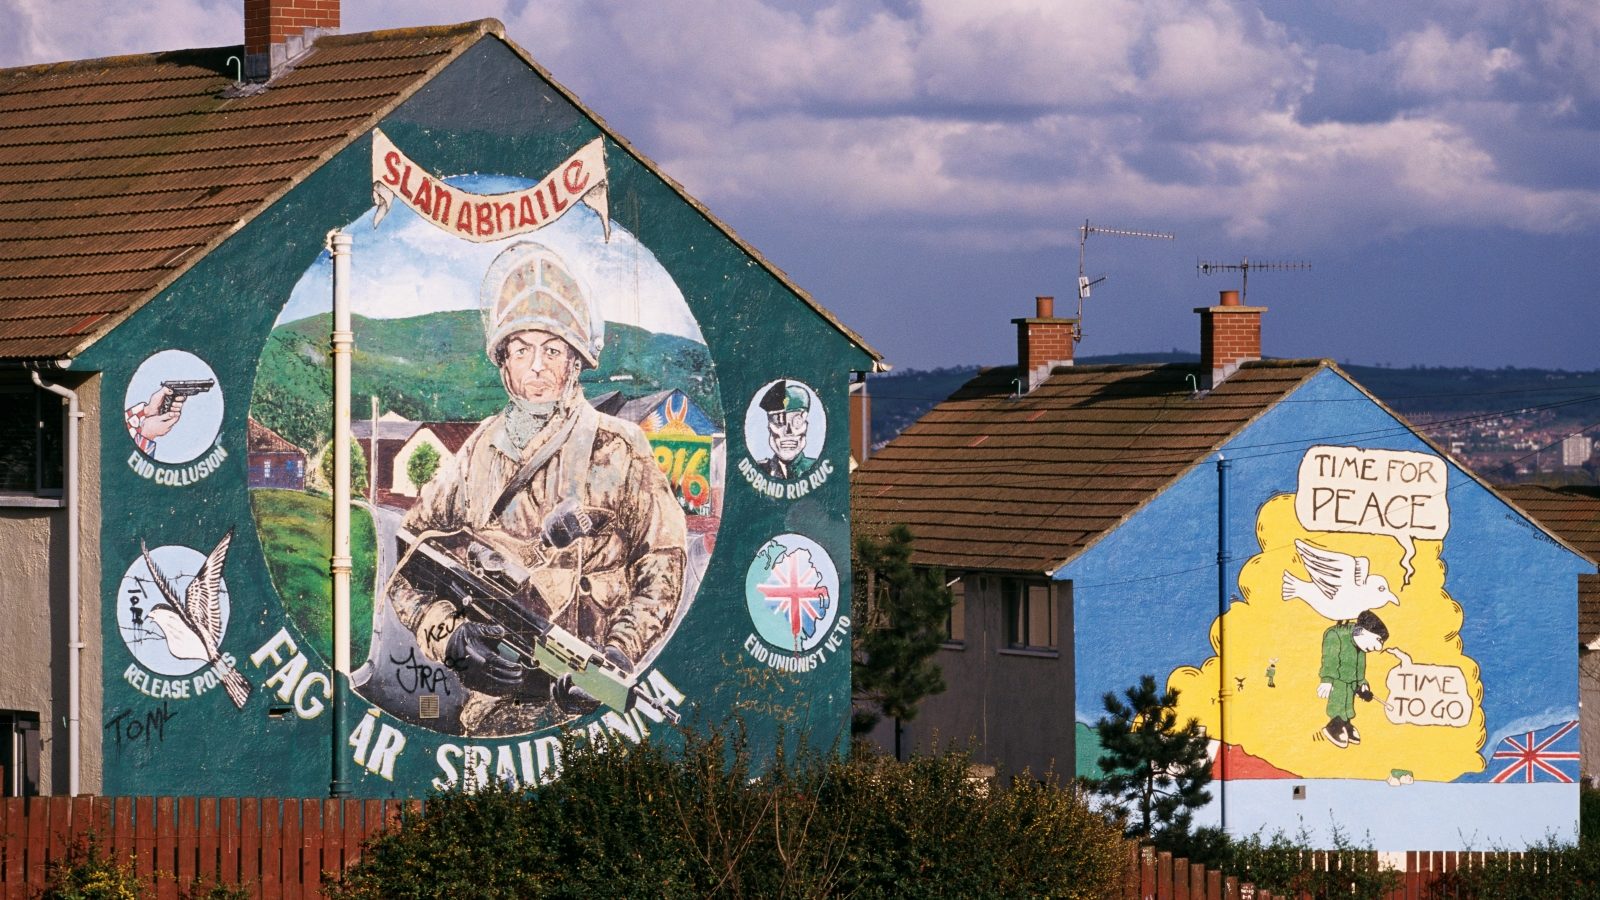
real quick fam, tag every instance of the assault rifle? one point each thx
(182, 388)
(487, 587)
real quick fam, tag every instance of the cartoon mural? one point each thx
(1354, 622)
(1367, 633)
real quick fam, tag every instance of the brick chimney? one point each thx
(1043, 342)
(277, 31)
(1230, 334)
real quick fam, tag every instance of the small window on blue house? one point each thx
(1030, 614)
(32, 428)
(266, 470)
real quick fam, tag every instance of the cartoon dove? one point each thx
(1341, 585)
(193, 626)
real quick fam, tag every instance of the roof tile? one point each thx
(113, 172)
(1060, 465)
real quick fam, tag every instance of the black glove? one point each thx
(473, 653)
(572, 698)
(1365, 693)
(616, 657)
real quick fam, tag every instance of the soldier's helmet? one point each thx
(529, 287)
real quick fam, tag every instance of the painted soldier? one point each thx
(788, 406)
(573, 496)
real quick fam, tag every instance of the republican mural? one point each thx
(540, 567)
(545, 538)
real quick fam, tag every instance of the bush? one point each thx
(1546, 870)
(87, 872)
(646, 821)
(1284, 865)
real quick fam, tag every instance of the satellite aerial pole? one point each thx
(1084, 282)
(1244, 267)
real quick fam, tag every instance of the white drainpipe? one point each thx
(343, 342)
(74, 635)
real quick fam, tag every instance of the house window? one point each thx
(19, 753)
(955, 626)
(266, 470)
(1030, 614)
(32, 425)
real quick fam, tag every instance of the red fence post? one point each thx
(207, 869)
(333, 837)
(228, 827)
(311, 864)
(12, 828)
(353, 830)
(188, 842)
(166, 850)
(250, 844)
(271, 847)
(290, 837)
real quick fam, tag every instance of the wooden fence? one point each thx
(1158, 876)
(273, 847)
(282, 848)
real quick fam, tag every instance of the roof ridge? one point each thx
(473, 27)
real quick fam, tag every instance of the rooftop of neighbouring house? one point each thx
(989, 480)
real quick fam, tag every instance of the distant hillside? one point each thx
(1559, 399)
(433, 367)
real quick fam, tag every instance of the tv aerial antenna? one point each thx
(1085, 283)
(1244, 267)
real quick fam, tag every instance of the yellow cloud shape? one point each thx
(1281, 724)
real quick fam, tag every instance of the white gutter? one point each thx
(74, 613)
(343, 341)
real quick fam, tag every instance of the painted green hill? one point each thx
(433, 368)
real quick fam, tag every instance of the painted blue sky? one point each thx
(922, 167)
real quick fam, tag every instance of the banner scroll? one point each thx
(581, 178)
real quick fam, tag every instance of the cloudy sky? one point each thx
(922, 168)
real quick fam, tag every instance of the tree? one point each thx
(1156, 769)
(358, 469)
(424, 462)
(902, 610)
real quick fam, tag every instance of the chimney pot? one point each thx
(1045, 307)
(1230, 298)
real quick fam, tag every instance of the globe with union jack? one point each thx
(792, 591)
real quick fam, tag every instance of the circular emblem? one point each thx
(173, 609)
(792, 590)
(173, 407)
(784, 430)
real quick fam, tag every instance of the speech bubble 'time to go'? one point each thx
(1421, 694)
(1400, 493)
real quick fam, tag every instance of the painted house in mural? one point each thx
(273, 461)
(1371, 635)
(684, 550)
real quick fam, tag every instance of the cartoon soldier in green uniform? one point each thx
(1344, 673)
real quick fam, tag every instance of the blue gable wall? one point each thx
(1487, 620)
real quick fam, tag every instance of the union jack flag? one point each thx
(1551, 754)
(795, 591)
